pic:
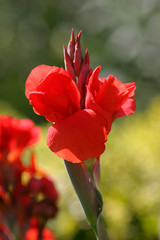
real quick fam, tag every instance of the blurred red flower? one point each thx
(43, 197)
(26, 192)
(32, 234)
(15, 136)
(37, 198)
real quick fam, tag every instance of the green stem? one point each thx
(101, 229)
(87, 194)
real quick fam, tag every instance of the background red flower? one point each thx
(15, 136)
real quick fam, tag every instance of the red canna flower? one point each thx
(43, 197)
(32, 234)
(15, 136)
(81, 105)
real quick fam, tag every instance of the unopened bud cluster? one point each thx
(77, 66)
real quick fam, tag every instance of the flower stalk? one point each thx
(89, 197)
(85, 178)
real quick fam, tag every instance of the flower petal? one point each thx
(78, 137)
(94, 83)
(131, 88)
(53, 107)
(56, 96)
(111, 95)
(35, 77)
(58, 82)
(128, 108)
(91, 104)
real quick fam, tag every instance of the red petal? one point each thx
(94, 83)
(131, 88)
(58, 81)
(78, 137)
(91, 104)
(111, 95)
(128, 108)
(53, 107)
(35, 77)
(56, 96)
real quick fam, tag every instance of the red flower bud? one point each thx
(68, 64)
(86, 57)
(77, 61)
(71, 46)
(82, 81)
(83, 75)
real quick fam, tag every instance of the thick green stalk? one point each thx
(88, 195)
(101, 229)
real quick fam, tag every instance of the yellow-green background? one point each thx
(124, 38)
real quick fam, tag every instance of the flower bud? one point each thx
(81, 82)
(86, 57)
(77, 61)
(71, 46)
(68, 64)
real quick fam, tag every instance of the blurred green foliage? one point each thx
(124, 38)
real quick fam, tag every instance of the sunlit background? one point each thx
(124, 38)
